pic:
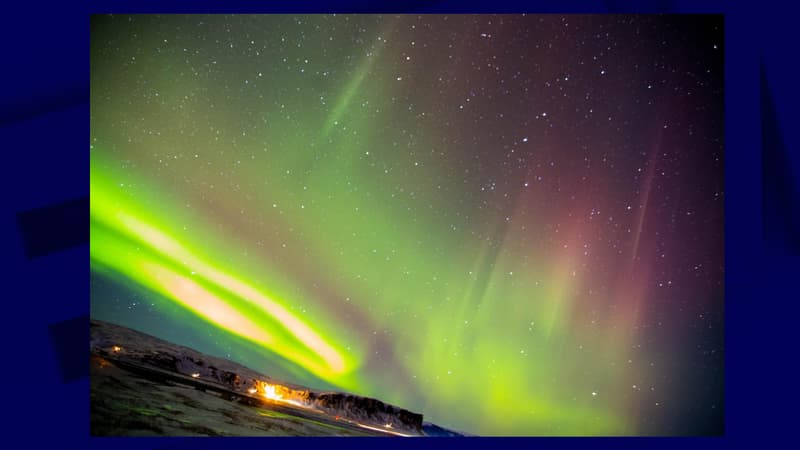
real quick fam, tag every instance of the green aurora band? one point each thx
(145, 248)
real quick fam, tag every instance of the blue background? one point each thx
(44, 126)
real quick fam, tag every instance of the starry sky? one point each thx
(512, 224)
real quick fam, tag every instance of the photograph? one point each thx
(412, 225)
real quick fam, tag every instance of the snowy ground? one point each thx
(125, 403)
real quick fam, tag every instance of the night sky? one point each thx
(511, 224)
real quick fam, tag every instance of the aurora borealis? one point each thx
(512, 224)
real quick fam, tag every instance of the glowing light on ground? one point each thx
(270, 393)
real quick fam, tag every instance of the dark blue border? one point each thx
(44, 123)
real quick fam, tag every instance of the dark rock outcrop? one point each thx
(364, 409)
